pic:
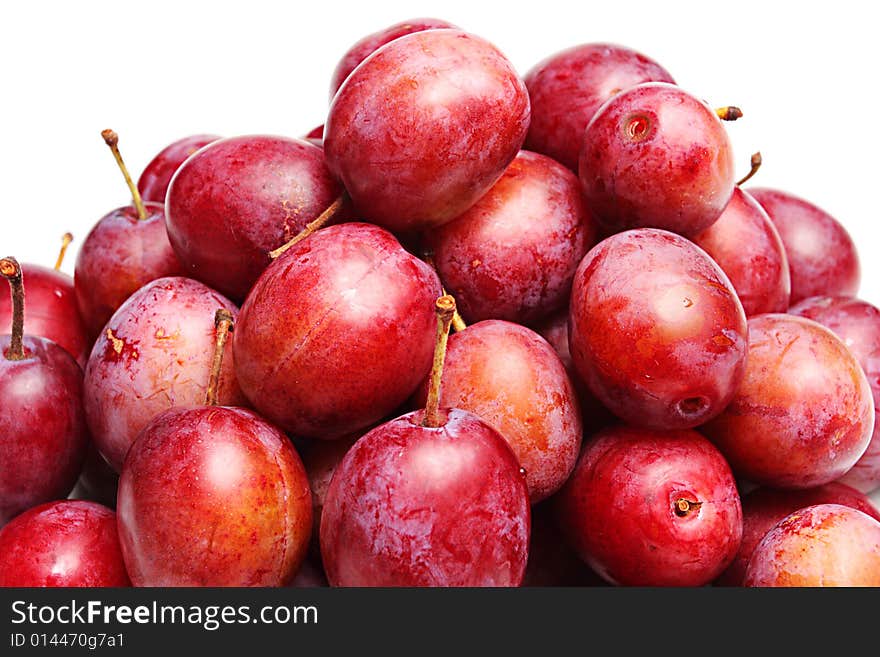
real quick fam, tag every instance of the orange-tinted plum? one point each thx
(512, 255)
(652, 508)
(153, 183)
(857, 323)
(510, 377)
(213, 496)
(764, 508)
(424, 127)
(337, 332)
(372, 42)
(155, 353)
(747, 247)
(822, 545)
(656, 330)
(803, 414)
(62, 544)
(412, 505)
(237, 199)
(567, 89)
(655, 156)
(43, 433)
(821, 255)
(51, 311)
(594, 416)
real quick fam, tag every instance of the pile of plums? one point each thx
(474, 330)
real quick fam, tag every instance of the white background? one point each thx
(804, 73)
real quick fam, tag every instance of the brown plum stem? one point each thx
(445, 309)
(729, 113)
(223, 326)
(684, 506)
(458, 324)
(11, 271)
(756, 164)
(312, 226)
(112, 140)
(66, 239)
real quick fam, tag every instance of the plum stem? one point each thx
(11, 271)
(757, 160)
(458, 324)
(112, 140)
(223, 326)
(66, 239)
(684, 506)
(729, 113)
(445, 309)
(312, 226)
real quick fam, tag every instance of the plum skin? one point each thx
(655, 156)
(822, 545)
(213, 496)
(156, 176)
(337, 332)
(568, 88)
(62, 544)
(121, 254)
(822, 257)
(857, 323)
(656, 330)
(510, 377)
(513, 254)
(372, 42)
(43, 434)
(424, 127)
(764, 508)
(418, 506)
(803, 414)
(594, 416)
(747, 247)
(239, 198)
(155, 353)
(619, 508)
(320, 460)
